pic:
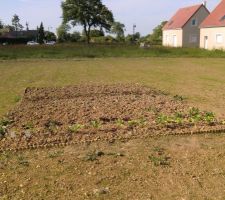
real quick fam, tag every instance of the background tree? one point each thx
(41, 34)
(1, 24)
(75, 36)
(50, 36)
(118, 29)
(133, 38)
(97, 33)
(63, 32)
(88, 14)
(16, 23)
(156, 36)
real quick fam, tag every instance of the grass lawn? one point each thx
(161, 168)
(201, 80)
(62, 51)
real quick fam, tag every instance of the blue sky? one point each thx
(146, 14)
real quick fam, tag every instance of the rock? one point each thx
(12, 134)
(101, 191)
(27, 134)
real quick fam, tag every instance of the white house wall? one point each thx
(212, 34)
(169, 36)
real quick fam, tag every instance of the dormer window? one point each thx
(194, 22)
(223, 18)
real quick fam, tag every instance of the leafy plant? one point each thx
(52, 125)
(23, 161)
(75, 128)
(17, 99)
(2, 131)
(209, 117)
(160, 160)
(28, 125)
(163, 119)
(96, 123)
(195, 115)
(5, 122)
(119, 122)
(133, 123)
(179, 98)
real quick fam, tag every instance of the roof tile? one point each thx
(216, 18)
(181, 17)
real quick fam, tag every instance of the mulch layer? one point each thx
(89, 113)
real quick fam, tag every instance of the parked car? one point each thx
(32, 43)
(50, 43)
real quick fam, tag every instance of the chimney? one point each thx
(204, 3)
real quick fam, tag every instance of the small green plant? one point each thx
(163, 119)
(153, 109)
(179, 98)
(5, 122)
(17, 99)
(209, 117)
(133, 123)
(55, 154)
(22, 161)
(28, 125)
(195, 115)
(96, 124)
(119, 122)
(75, 128)
(142, 122)
(92, 156)
(2, 132)
(160, 160)
(52, 125)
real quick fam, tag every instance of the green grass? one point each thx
(192, 78)
(98, 51)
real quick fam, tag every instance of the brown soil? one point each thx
(95, 112)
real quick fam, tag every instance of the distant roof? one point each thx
(181, 17)
(216, 18)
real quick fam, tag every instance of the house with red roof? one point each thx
(212, 29)
(182, 30)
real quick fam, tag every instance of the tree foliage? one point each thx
(1, 24)
(87, 13)
(16, 23)
(62, 32)
(41, 34)
(118, 29)
(156, 36)
(97, 33)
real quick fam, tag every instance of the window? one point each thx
(223, 18)
(193, 39)
(194, 22)
(219, 38)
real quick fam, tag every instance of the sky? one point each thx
(146, 14)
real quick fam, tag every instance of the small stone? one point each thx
(27, 134)
(12, 134)
(101, 191)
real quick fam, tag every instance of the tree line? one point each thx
(97, 22)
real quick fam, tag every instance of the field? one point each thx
(162, 167)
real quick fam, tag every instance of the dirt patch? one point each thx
(99, 112)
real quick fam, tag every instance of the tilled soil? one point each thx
(97, 112)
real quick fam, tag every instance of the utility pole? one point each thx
(134, 27)
(134, 31)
